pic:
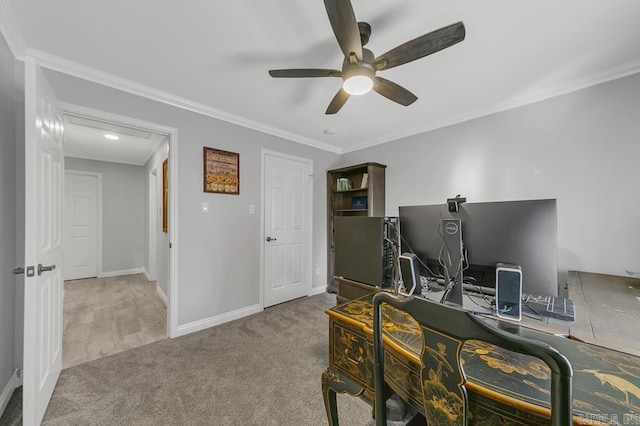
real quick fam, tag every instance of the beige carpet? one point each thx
(104, 316)
(260, 370)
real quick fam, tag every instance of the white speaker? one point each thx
(509, 291)
(410, 273)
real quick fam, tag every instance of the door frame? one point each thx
(263, 154)
(153, 224)
(172, 135)
(99, 233)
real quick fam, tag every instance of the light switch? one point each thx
(252, 209)
(205, 207)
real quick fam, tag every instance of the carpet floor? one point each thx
(259, 370)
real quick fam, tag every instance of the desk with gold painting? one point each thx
(504, 387)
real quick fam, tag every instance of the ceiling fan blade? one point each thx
(337, 102)
(345, 27)
(394, 92)
(421, 46)
(304, 72)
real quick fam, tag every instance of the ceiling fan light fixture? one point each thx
(360, 65)
(358, 85)
(358, 80)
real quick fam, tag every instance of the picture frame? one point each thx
(165, 196)
(221, 171)
(359, 203)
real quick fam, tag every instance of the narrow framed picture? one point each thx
(165, 196)
(221, 171)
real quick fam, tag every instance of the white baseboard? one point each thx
(161, 294)
(147, 275)
(192, 327)
(318, 290)
(121, 272)
(5, 396)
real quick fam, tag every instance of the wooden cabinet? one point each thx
(347, 195)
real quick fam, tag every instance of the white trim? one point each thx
(101, 158)
(84, 72)
(161, 294)
(100, 231)
(526, 99)
(121, 272)
(172, 323)
(192, 327)
(5, 396)
(152, 218)
(147, 275)
(318, 290)
(9, 31)
(111, 118)
(263, 153)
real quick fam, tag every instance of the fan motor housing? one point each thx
(363, 67)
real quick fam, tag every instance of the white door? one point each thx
(43, 244)
(288, 186)
(80, 231)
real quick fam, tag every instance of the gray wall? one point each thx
(124, 217)
(582, 149)
(7, 213)
(219, 252)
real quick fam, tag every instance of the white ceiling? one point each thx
(85, 138)
(213, 56)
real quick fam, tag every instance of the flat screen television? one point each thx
(517, 232)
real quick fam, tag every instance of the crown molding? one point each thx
(9, 31)
(528, 98)
(74, 69)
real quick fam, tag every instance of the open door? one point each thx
(44, 166)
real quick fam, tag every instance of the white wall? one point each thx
(218, 251)
(8, 124)
(582, 149)
(124, 217)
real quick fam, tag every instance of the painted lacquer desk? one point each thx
(504, 387)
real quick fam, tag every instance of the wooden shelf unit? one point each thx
(339, 203)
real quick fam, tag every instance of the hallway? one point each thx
(104, 316)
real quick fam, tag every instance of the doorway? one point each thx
(127, 304)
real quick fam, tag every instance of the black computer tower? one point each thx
(365, 248)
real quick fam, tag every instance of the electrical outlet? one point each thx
(317, 271)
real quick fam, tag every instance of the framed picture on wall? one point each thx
(221, 171)
(165, 196)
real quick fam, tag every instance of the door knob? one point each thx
(271, 239)
(42, 269)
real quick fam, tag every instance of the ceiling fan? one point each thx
(360, 66)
